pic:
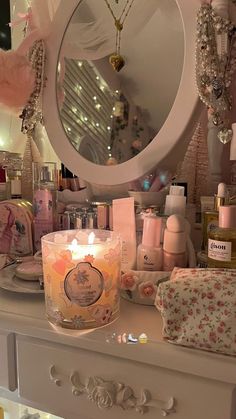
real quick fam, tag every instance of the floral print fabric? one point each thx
(198, 308)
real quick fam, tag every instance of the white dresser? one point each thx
(79, 375)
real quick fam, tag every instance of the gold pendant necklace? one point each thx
(116, 59)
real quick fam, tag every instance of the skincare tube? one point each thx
(124, 225)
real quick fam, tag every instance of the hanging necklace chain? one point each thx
(214, 71)
(117, 61)
(118, 21)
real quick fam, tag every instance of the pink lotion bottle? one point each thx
(44, 200)
(149, 256)
(175, 243)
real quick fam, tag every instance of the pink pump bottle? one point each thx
(149, 256)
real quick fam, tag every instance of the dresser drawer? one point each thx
(7, 361)
(78, 384)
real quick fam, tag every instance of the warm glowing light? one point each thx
(78, 87)
(79, 251)
(97, 78)
(109, 155)
(69, 129)
(2, 142)
(80, 63)
(73, 246)
(97, 124)
(98, 106)
(91, 238)
(95, 98)
(102, 88)
(85, 118)
(109, 128)
(113, 108)
(117, 91)
(111, 116)
(108, 147)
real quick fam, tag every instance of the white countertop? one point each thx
(25, 315)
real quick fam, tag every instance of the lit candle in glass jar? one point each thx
(81, 273)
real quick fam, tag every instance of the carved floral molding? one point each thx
(107, 394)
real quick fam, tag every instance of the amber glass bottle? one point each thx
(222, 240)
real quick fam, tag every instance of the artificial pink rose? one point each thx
(147, 290)
(128, 281)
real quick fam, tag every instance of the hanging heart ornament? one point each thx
(117, 62)
(225, 135)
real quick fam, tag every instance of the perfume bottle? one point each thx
(211, 218)
(44, 200)
(3, 184)
(14, 176)
(222, 240)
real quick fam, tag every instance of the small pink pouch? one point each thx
(198, 309)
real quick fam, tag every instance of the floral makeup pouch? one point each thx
(198, 309)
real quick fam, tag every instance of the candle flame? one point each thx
(73, 246)
(79, 251)
(91, 238)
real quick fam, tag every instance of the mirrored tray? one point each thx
(9, 282)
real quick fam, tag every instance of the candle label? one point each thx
(84, 284)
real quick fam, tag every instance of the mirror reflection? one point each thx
(119, 70)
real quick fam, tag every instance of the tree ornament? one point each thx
(225, 135)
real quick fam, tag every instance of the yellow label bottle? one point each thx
(211, 217)
(222, 240)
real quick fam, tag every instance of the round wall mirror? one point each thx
(120, 94)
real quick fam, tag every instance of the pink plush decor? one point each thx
(16, 80)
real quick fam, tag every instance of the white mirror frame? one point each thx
(168, 146)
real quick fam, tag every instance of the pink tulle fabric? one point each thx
(16, 80)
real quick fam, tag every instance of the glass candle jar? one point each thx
(81, 273)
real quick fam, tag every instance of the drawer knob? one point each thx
(52, 374)
(107, 394)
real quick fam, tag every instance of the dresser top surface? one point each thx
(25, 315)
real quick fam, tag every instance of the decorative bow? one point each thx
(23, 17)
